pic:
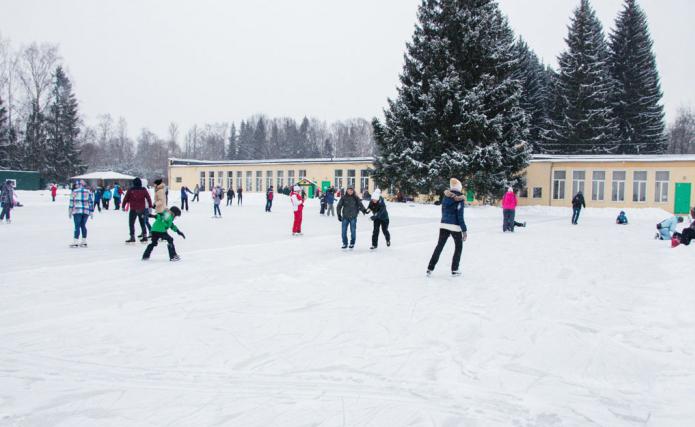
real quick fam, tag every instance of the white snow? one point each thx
(554, 325)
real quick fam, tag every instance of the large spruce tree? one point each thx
(637, 95)
(62, 131)
(586, 123)
(457, 111)
(232, 143)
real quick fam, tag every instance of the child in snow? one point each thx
(349, 206)
(667, 227)
(380, 216)
(216, 199)
(6, 200)
(621, 219)
(297, 208)
(80, 209)
(452, 225)
(164, 221)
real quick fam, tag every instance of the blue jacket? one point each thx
(330, 197)
(452, 209)
(115, 192)
(106, 195)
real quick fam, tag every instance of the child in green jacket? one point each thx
(164, 221)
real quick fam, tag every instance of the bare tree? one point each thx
(681, 134)
(37, 64)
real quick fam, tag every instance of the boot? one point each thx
(131, 240)
(83, 243)
(172, 252)
(75, 243)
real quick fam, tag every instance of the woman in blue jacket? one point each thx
(452, 225)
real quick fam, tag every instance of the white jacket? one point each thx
(296, 201)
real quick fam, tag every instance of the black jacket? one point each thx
(350, 206)
(378, 208)
(578, 201)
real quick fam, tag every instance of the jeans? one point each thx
(140, 215)
(196, 197)
(80, 225)
(458, 247)
(575, 215)
(508, 221)
(384, 225)
(156, 237)
(217, 210)
(352, 222)
(106, 203)
(229, 201)
(268, 205)
(117, 203)
(184, 203)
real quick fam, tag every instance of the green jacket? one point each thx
(164, 221)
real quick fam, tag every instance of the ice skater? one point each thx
(80, 209)
(196, 194)
(349, 207)
(577, 204)
(509, 202)
(330, 200)
(380, 216)
(185, 191)
(453, 225)
(137, 198)
(239, 192)
(230, 197)
(667, 227)
(106, 197)
(297, 208)
(217, 195)
(6, 201)
(164, 222)
(54, 191)
(269, 199)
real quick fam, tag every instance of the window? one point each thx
(364, 180)
(537, 192)
(351, 178)
(524, 193)
(238, 179)
(578, 178)
(211, 179)
(290, 178)
(598, 185)
(220, 174)
(338, 180)
(249, 179)
(268, 179)
(178, 179)
(662, 180)
(639, 186)
(618, 193)
(259, 181)
(230, 179)
(302, 173)
(281, 179)
(559, 184)
(202, 181)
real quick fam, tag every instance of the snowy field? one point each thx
(554, 325)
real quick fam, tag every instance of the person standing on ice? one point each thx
(269, 199)
(239, 192)
(380, 216)
(160, 203)
(6, 201)
(330, 200)
(98, 191)
(216, 199)
(577, 204)
(297, 208)
(185, 191)
(54, 191)
(139, 201)
(80, 209)
(667, 227)
(106, 197)
(164, 221)
(453, 225)
(230, 197)
(196, 194)
(117, 192)
(349, 207)
(509, 202)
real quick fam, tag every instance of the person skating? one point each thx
(453, 225)
(349, 207)
(98, 191)
(577, 204)
(330, 200)
(185, 191)
(230, 197)
(667, 227)
(621, 219)
(380, 216)
(160, 202)
(509, 202)
(54, 191)
(269, 199)
(297, 208)
(217, 195)
(239, 192)
(117, 193)
(138, 199)
(164, 222)
(6, 201)
(322, 203)
(196, 194)
(106, 197)
(80, 209)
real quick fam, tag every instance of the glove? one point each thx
(465, 236)
(373, 217)
(181, 234)
(340, 218)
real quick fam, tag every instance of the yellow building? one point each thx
(258, 175)
(662, 181)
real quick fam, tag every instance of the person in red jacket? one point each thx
(140, 202)
(297, 207)
(54, 191)
(269, 199)
(509, 202)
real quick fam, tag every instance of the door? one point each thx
(311, 191)
(682, 200)
(325, 185)
(470, 196)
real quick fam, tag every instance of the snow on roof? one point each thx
(103, 175)
(566, 158)
(194, 162)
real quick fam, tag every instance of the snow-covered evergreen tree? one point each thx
(586, 123)
(62, 131)
(35, 148)
(457, 111)
(637, 95)
(232, 143)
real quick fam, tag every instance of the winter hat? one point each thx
(137, 183)
(157, 181)
(510, 190)
(176, 211)
(376, 194)
(680, 219)
(296, 189)
(455, 184)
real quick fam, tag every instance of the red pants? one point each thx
(297, 226)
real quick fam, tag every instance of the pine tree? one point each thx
(587, 124)
(62, 131)
(457, 111)
(245, 140)
(35, 147)
(260, 142)
(636, 100)
(233, 144)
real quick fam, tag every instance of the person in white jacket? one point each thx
(297, 207)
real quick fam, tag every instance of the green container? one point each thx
(24, 180)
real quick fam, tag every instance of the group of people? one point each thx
(668, 230)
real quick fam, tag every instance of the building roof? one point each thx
(104, 175)
(597, 158)
(193, 162)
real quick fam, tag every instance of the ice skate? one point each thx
(456, 273)
(75, 244)
(83, 243)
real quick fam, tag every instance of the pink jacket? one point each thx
(509, 201)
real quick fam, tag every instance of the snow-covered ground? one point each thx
(555, 325)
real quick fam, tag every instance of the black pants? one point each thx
(508, 220)
(196, 197)
(156, 237)
(686, 236)
(117, 203)
(458, 247)
(216, 210)
(106, 203)
(575, 215)
(140, 215)
(229, 201)
(384, 225)
(184, 203)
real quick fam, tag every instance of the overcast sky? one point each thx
(154, 62)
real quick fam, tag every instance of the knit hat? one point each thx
(455, 184)
(175, 210)
(157, 181)
(376, 194)
(137, 183)
(296, 189)
(510, 190)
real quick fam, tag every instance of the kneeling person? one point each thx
(164, 221)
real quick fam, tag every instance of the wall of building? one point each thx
(180, 175)
(539, 175)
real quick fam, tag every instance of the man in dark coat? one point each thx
(577, 204)
(349, 206)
